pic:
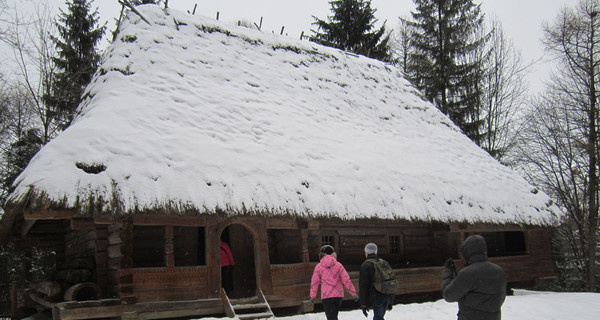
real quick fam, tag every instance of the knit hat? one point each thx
(327, 250)
(371, 248)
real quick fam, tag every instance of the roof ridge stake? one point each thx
(128, 4)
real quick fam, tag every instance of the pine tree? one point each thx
(447, 64)
(350, 29)
(78, 57)
(18, 156)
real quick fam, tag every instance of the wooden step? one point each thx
(261, 315)
(247, 300)
(250, 306)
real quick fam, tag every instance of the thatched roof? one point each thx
(190, 113)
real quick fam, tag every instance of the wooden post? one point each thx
(259, 26)
(13, 300)
(304, 250)
(213, 257)
(128, 4)
(169, 247)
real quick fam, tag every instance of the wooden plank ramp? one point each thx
(250, 308)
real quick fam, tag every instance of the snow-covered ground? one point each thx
(524, 305)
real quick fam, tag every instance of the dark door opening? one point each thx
(241, 244)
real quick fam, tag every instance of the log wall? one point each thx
(79, 257)
(418, 260)
(179, 283)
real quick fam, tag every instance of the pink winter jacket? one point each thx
(332, 277)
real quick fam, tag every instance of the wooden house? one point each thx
(194, 131)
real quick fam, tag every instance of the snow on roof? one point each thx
(194, 113)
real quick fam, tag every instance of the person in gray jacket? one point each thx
(479, 288)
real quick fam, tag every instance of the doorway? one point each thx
(243, 276)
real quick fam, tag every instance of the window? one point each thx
(330, 240)
(148, 246)
(319, 238)
(395, 244)
(284, 246)
(189, 246)
(506, 243)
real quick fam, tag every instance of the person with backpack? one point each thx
(377, 284)
(331, 277)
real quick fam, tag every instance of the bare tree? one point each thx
(560, 141)
(504, 90)
(33, 51)
(400, 46)
(26, 123)
(3, 21)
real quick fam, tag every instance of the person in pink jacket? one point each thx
(227, 264)
(332, 277)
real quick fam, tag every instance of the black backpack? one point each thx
(384, 280)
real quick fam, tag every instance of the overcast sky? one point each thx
(522, 19)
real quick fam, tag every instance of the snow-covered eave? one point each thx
(41, 205)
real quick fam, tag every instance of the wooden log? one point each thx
(119, 236)
(47, 288)
(132, 315)
(165, 220)
(170, 294)
(39, 300)
(118, 250)
(48, 213)
(145, 310)
(82, 223)
(89, 309)
(83, 291)
(120, 263)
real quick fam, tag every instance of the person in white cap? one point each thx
(368, 295)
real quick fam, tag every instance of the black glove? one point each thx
(449, 264)
(365, 310)
(390, 306)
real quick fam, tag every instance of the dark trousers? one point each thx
(332, 307)
(227, 279)
(380, 306)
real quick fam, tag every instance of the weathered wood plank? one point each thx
(48, 213)
(170, 293)
(48, 288)
(82, 223)
(164, 220)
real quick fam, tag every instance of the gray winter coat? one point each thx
(480, 287)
